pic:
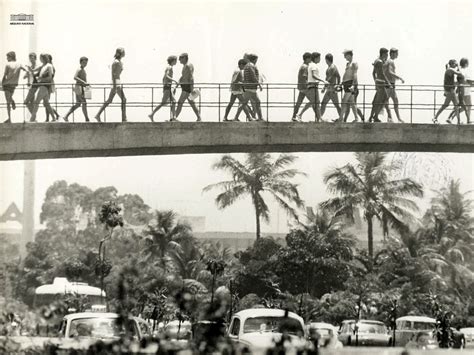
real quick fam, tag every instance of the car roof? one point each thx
(266, 312)
(368, 321)
(417, 319)
(82, 315)
(321, 325)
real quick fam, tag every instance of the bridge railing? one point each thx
(417, 103)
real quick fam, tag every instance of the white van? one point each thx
(409, 326)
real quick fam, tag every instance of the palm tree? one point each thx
(164, 234)
(368, 185)
(256, 175)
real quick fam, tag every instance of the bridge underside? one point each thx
(66, 140)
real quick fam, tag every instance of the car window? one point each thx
(373, 328)
(423, 326)
(273, 324)
(235, 327)
(99, 328)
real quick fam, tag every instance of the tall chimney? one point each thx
(27, 234)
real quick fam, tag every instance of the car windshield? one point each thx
(373, 328)
(321, 331)
(184, 330)
(98, 328)
(273, 324)
(423, 326)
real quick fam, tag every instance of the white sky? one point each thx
(216, 34)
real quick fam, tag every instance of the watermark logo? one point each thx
(22, 19)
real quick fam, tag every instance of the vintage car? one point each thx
(80, 330)
(409, 326)
(325, 332)
(257, 329)
(469, 336)
(364, 333)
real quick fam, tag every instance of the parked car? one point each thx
(364, 333)
(469, 336)
(259, 328)
(80, 330)
(177, 330)
(410, 326)
(326, 333)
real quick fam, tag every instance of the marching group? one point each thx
(245, 83)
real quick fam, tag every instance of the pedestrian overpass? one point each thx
(63, 140)
(22, 140)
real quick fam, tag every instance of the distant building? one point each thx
(11, 224)
(236, 241)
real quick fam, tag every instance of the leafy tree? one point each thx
(368, 185)
(315, 259)
(256, 274)
(259, 174)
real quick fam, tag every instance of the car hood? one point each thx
(267, 339)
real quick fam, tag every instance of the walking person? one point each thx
(117, 88)
(237, 93)
(31, 75)
(251, 84)
(449, 91)
(349, 85)
(381, 85)
(312, 93)
(302, 86)
(45, 80)
(168, 93)
(81, 83)
(390, 74)
(187, 86)
(334, 79)
(52, 89)
(10, 79)
(464, 90)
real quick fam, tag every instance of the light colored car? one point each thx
(178, 331)
(469, 336)
(409, 326)
(80, 330)
(364, 333)
(259, 328)
(327, 334)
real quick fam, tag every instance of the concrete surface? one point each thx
(21, 141)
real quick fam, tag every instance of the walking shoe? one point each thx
(225, 120)
(298, 116)
(87, 120)
(174, 119)
(13, 105)
(124, 120)
(355, 121)
(435, 120)
(236, 119)
(198, 119)
(448, 121)
(65, 119)
(98, 119)
(336, 120)
(8, 121)
(151, 118)
(376, 120)
(401, 121)
(294, 119)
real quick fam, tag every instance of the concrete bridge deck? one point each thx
(66, 140)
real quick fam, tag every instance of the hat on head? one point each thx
(183, 55)
(347, 51)
(393, 49)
